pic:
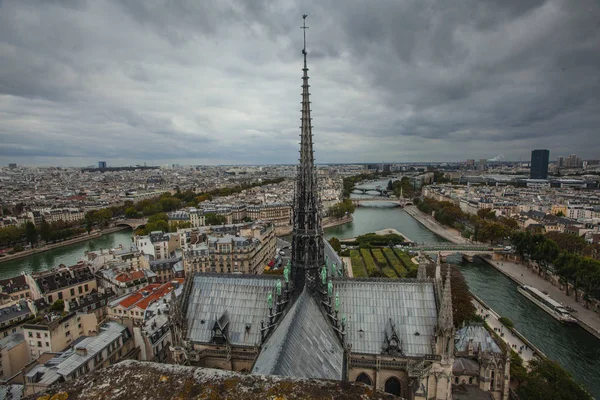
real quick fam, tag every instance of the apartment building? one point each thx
(131, 309)
(166, 270)
(112, 343)
(64, 283)
(157, 245)
(16, 288)
(153, 336)
(69, 215)
(196, 217)
(12, 315)
(247, 252)
(13, 355)
(122, 279)
(280, 214)
(57, 332)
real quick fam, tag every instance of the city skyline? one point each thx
(83, 82)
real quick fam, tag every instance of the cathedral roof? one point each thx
(370, 304)
(465, 366)
(243, 298)
(480, 337)
(304, 345)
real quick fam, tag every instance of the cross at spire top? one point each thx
(304, 28)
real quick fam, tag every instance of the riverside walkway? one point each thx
(525, 350)
(522, 275)
(430, 223)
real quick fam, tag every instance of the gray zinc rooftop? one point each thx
(304, 345)
(370, 304)
(243, 297)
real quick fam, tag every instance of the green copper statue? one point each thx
(270, 300)
(278, 286)
(329, 288)
(286, 274)
(323, 275)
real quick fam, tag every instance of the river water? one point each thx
(572, 347)
(68, 255)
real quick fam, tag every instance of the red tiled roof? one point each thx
(157, 292)
(137, 296)
(126, 277)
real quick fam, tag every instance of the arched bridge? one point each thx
(132, 223)
(382, 192)
(380, 199)
(467, 251)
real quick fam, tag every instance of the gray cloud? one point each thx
(219, 81)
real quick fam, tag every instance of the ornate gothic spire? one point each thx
(422, 271)
(307, 239)
(445, 318)
(438, 266)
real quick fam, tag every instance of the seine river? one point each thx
(68, 255)
(572, 347)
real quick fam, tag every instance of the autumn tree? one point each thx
(31, 234)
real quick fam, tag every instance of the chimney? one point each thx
(82, 351)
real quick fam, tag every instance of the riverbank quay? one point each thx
(68, 242)
(331, 222)
(513, 338)
(522, 275)
(452, 235)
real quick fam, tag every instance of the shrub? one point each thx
(387, 271)
(379, 258)
(358, 266)
(396, 264)
(405, 259)
(506, 322)
(372, 269)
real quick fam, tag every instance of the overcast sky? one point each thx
(218, 81)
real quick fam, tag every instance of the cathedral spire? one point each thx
(307, 235)
(445, 318)
(422, 271)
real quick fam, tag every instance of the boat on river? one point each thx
(548, 304)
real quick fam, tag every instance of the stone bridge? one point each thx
(132, 223)
(381, 199)
(467, 251)
(382, 192)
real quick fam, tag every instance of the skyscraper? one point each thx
(539, 164)
(102, 164)
(307, 235)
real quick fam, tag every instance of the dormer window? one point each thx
(220, 329)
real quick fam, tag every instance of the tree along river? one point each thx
(67, 255)
(572, 347)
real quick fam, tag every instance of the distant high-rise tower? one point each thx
(102, 164)
(539, 164)
(307, 235)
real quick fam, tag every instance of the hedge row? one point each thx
(396, 264)
(379, 258)
(405, 259)
(372, 269)
(387, 271)
(358, 267)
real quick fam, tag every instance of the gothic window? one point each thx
(364, 378)
(393, 386)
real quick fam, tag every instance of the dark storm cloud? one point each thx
(219, 81)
